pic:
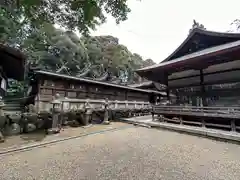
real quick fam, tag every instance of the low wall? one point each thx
(72, 112)
(76, 104)
(68, 104)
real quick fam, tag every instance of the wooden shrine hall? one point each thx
(204, 74)
(203, 69)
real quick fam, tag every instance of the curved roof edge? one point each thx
(137, 85)
(204, 32)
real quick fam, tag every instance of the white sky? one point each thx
(155, 28)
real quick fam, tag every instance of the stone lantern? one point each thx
(88, 113)
(106, 113)
(2, 119)
(56, 109)
(2, 105)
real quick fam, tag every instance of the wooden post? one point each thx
(126, 95)
(204, 103)
(181, 121)
(152, 112)
(203, 123)
(177, 97)
(167, 88)
(233, 125)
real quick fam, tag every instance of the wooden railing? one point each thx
(213, 117)
(203, 111)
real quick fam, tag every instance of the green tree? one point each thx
(121, 63)
(94, 49)
(71, 14)
(64, 52)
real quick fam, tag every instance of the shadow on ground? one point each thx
(36, 136)
(39, 136)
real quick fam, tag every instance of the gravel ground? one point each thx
(133, 153)
(41, 137)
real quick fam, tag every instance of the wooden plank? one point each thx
(192, 122)
(172, 120)
(60, 92)
(45, 96)
(197, 114)
(218, 125)
(81, 95)
(46, 91)
(72, 94)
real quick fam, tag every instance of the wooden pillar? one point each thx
(126, 95)
(167, 88)
(177, 97)
(87, 91)
(203, 94)
(233, 125)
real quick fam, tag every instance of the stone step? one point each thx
(8, 102)
(12, 107)
(12, 99)
(12, 104)
(12, 112)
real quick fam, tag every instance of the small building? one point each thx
(204, 70)
(11, 66)
(45, 85)
(150, 85)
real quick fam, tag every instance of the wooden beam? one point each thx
(211, 73)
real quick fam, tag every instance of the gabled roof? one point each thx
(200, 39)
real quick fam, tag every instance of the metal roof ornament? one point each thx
(196, 25)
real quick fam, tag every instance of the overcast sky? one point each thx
(155, 28)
